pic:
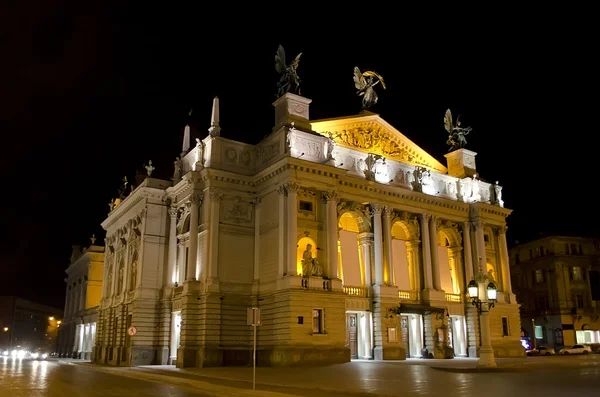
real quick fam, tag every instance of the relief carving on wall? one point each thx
(373, 138)
(238, 211)
(267, 152)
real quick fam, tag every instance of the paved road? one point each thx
(573, 376)
(30, 378)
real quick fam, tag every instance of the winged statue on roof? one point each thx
(457, 134)
(365, 83)
(288, 80)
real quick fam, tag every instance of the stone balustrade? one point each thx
(456, 298)
(409, 295)
(357, 291)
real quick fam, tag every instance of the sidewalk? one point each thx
(359, 377)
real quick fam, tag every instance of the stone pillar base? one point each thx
(141, 355)
(289, 356)
(187, 357)
(162, 356)
(389, 353)
(473, 351)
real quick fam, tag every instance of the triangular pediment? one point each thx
(368, 132)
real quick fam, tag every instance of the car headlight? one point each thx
(44, 356)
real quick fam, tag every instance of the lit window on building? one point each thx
(577, 273)
(539, 276)
(317, 322)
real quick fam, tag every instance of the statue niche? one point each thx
(310, 265)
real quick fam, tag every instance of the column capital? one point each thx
(425, 217)
(196, 198)
(282, 190)
(434, 219)
(376, 209)
(215, 196)
(477, 225)
(173, 212)
(292, 188)
(502, 229)
(331, 195)
(256, 201)
(387, 211)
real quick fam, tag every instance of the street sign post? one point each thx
(131, 331)
(253, 319)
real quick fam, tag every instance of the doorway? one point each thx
(175, 336)
(358, 334)
(412, 334)
(458, 335)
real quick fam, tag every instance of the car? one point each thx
(576, 349)
(541, 351)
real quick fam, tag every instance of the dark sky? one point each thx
(89, 93)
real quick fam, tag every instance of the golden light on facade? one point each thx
(51, 318)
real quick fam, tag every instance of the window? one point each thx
(306, 206)
(505, 327)
(541, 303)
(530, 254)
(566, 249)
(579, 301)
(577, 274)
(539, 333)
(317, 321)
(541, 251)
(539, 276)
(580, 249)
(486, 237)
(573, 249)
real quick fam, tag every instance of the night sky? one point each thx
(89, 93)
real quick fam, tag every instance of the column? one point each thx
(504, 261)
(387, 246)
(412, 248)
(378, 244)
(433, 243)
(365, 240)
(468, 253)
(256, 204)
(213, 235)
(331, 198)
(282, 192)
(425, 247)
(172, 257)
(292, 229)
(486, 352)
(480, 240)
(195, 199)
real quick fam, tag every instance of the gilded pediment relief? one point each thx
(373, 135)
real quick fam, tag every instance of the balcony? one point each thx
(455, 298)
(362, 292)
(409, 295)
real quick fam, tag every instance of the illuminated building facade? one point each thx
(353, 242)
(84, 290)
(557, 283)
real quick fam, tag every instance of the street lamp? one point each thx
(483, 294)
(5, 329)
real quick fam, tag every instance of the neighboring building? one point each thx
(28, 325)
(557, 282)
(330, 227)
(84, 290)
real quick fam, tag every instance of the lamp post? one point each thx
(482, 293)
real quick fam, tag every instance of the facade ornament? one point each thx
(456, 138)
(331, 195)
(387, 210)
(93, 239)
(199, 164)
(196, 198)
(281, 190)
(310, 265)
(173, 212)
(149, 168)
(111, 205)
(477, 225)
(376, 209)
(364, 83)
(215, 129)
(292, 187)
(498, 195)
(215, 196)
(417, 182)
(177, 166)
(460, 189)
(256, 201)
(371, 163)
(122, 192)
(288, 80)
(291, 136)
(502, 229)
(426, 217)
(329, 148)
(475, 193)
